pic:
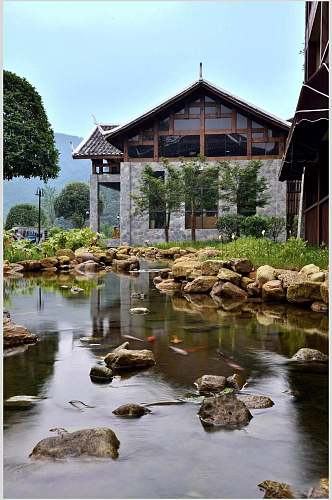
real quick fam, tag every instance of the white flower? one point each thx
(233, 236)
(219, 237)
(263, 232)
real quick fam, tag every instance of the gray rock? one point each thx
(235, 381)
(99, 442)
(100, 373)
(255, 402)
(306, 354)
(129, 359)
(265, 273)
(231, 291)
(131, 410)
(241, 266)
(224, 410)
(210, 383)
(21, 402)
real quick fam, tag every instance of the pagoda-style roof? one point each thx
(117, 133)
(96, 146)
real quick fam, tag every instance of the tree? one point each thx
(160, 193)
(48, 202)
(25, 215)
(241, 186)
(73, 203)
(201, 187)
(28, 140)
(276, 226)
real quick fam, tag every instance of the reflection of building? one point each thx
(307, 145)
(202, 119)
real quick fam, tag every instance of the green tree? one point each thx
(48, 202)
(28, 140)
(25, 215)
(200, 182)
(158, 193)
(73, 203)
(242, 186)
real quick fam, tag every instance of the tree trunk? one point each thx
(193, 222)
(168, 220)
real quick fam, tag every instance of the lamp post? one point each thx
(40, 194)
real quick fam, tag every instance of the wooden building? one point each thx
(306, 155)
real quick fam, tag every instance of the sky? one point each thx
(116, 59)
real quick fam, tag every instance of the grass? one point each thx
(290, 254)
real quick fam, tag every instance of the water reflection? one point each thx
(167, 453)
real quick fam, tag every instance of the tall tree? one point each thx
(160, 194)
(200, 182)
(28, 140)
(242, 186)
(73, 203)
(48, 202)
(25, 215)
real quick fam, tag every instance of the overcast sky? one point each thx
(115, 60)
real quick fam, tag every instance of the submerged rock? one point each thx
(100, 373)
(274, 489)
(224, 410)
(129, 359)
(255, 402)
(99, 442)
(131, 410)
(21, 402)
(307, 354)
(210, 383)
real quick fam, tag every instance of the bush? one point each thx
(276, 226)
(255, 225)
(229, 224)
(73, 239)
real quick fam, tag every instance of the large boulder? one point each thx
(212, 267)
(169, 252)
(164, 273)
(131, 410)
(241, 266)
(254, 290)
(318, 277)
(245, 281)
(201, 284)
(89, 266)
(123, 358)
(49, 262)
(168, 285)
(186, 268)
(254, 401)
(265, 274)
(99, 442)
(224, 410)
(129, 264)
(273, 290)
(303, 292)
(64, 260)
(307, 355)
(231, 291)
(207, 253)
(30, 265)
(99, 373)
(324, 291)
(310, 269)
(15, 335)
(229, 275)
(65, 252)
(288, 277)
(210, 383)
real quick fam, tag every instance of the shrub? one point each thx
(229, 224)
(73, 239)
(276, 226)
(254, 225)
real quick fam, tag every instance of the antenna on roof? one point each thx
(201, 71)
(94, 119)
(72, 146)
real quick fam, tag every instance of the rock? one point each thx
(200, 285)
(210, 383)
(169, 252)
(186, 268)
(319, 307)
(99, 442)
(30, 265)
(205, 253)
(224, 410)
(228, 275)
(235, 381)
(273, 290)
(49, 270)
(163, 273)
(320, 490)
(130, 264)
(241, 266)
(89, 266)
(65, 252)
(231, 291)
(288, 277)
(265, 274)
(310, 269)
(21, 402)
(231, 304)
(63, 260)
(131, 410)
(121, 256)
(156, 280)
(273, 489)
(254, 401)
(307, 354)
(100, 373)
(15, 335)
(317, 277)
(129, 359)
(83, 255)
(168, 285)
(324, 292)
(301, 293)
(49, 262)
(212, 267)
(254, 290)
(139, 310)
(245, 281)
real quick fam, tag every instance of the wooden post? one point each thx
(299, 220)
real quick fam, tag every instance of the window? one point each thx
(140, 151)
(264, 148)
(134, 138)
(172, 146)
(206, 213)
(218, 123)
(164, 125)
(148, 134)
(256, 125)
(257, 135)
(226, 145)
(208, 99)
(190, 124)
(225, 109)
(211, 110)
(241, 121)
(157, 216)
(194, 110)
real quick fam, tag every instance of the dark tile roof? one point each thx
(95, 144)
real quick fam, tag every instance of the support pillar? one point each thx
(94, 216)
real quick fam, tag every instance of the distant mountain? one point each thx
(22, 190)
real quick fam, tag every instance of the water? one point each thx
(168, 453)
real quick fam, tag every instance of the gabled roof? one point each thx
(95, 144)
(200, 84)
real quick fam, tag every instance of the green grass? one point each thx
(290, 254)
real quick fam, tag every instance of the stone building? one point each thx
(201, 120)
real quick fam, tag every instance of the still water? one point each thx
(168, 453)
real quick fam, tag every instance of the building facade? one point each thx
(306, 157)
(201, 120)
